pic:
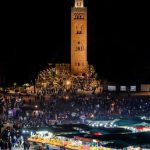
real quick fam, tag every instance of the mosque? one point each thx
(79, 66)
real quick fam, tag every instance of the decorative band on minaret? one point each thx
(79, 62)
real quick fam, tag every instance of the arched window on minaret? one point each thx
(79, 29)
(79, 3)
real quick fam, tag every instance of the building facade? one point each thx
(79, 64)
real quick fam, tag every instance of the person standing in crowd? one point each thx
(9, 145)
(26, 145)
(1, 144)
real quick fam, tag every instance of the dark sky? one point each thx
(35, 33)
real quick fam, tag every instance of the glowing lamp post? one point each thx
(15, 85)
(68, 84)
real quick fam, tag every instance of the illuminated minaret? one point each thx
(79, 62)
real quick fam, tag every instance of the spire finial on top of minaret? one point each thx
(79, 3)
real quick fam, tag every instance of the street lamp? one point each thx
(15, 85)
(68, 84)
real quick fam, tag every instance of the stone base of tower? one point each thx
(72, 70)
(79, 70)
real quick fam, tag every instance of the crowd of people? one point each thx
(98, 107)
(68, 108)
(10, 112)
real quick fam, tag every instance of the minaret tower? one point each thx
(79, 62)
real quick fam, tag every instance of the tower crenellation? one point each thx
(79, 3)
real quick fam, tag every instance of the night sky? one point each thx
(34, 34)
